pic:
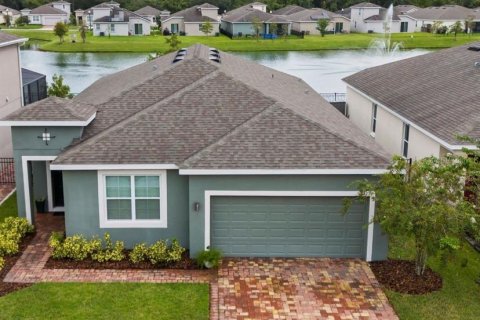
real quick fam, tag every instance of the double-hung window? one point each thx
(405, 139)
(373, 127)
(112, 27)
(133, 200)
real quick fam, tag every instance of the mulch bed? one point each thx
(185, 264)
(7, 287)
(400, 276)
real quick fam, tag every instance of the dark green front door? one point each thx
(138, 28)
(404, 26)
(287, 227)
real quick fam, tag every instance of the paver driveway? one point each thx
(300, 289)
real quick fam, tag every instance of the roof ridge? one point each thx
(239, 128)
(341, 137)
(165, 100)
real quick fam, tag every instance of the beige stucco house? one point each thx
(11, 97)
(307, 21)
(418, 107)
(189, 21)
(6, 11)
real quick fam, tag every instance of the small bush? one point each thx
(12, 230)
(175, 251)
(2, 263)
(158, 252)
(76, 247)
(110, 252)
(139, 253)
(8, 244)
(209, 258)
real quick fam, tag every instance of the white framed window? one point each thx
(112, 27)
(373, 127)
(405, 139)
(200, 26)
(35, 18)
(132, 199)
(97, 26)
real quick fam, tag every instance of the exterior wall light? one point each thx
(196, 206)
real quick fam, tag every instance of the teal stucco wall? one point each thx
(26, 143)
(198, 185)
(82, 213)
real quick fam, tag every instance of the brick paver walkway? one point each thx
(30, 266)
(300, 289)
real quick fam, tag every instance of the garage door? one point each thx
(51, 21)
(287, 227)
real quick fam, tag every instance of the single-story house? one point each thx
(287, 10)
(189, 21)
(49, 14)
(240, 21)
(226, 154)
(121, 22)
(307, 21)
(447, 14)
(153, 14)
(6, 11)
(10, 85)
(405, 106)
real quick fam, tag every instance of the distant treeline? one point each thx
(225, 5)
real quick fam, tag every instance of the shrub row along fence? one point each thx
(7, 171)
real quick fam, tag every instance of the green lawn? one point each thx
(158, 44)
(9, 207)
(459, 297)
(107, 301)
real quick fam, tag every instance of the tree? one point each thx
(470, 24)
(455, 28)
(273, 29)
(257, 26)
(60, 30)
(322, 25)
(8, 20)
(437, 25)
(173, 42)
(423, 201)
(58, 88)
(21, 21)
(83, 31)
(206, 27)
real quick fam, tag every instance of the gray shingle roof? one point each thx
(382, 15)
(290, 9)
(6, 37)
(53, 109)
(248, 14)
(365, 5)
(185, 112)
(114, 16)
(312, 15)
(439, 91)
(13, 11)
(192, 14)
(446, 12)
(47, 9)
(148, 11)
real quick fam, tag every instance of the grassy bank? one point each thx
(459, 297)
(158, 44)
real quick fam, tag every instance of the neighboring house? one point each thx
(6, 11)
(447, 14)
(10, 85)
(34, 86)
(152, 14)
(48, 14)
(205, 147)
(108, 19)
(190, 20)
(240, 21)
(405, 106)
(307, 21)
(290, 9)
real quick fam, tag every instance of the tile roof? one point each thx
(259, 117)
(192, 14)
(47, 9)
(288, 10)
(438, 91)
(53, 109)
(248, 14)
(148, 11)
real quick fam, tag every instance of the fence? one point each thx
(7, 171)
(334, 96)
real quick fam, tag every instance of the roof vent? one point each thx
(180, 55)
(474, 48)
(214, 55)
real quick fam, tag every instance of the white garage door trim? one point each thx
(248, 193)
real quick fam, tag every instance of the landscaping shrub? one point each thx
(158, 253)
(2, 263)
(109, 252)
(75, 247)
(209, 258)
(12, 231)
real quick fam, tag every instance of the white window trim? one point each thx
(242, 193)
(145, 223)
(51, 208)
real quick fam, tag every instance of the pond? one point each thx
(323, 70)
